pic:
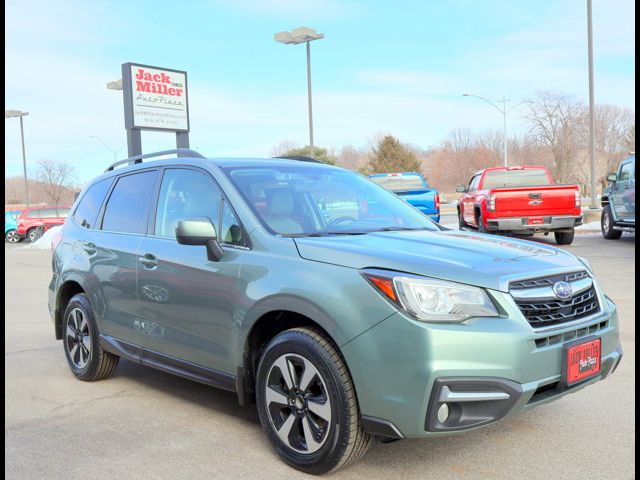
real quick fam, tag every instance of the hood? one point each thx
(465, 257)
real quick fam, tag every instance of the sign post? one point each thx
(155, 98)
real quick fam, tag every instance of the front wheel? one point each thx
(564, 238)
(12, 237)
(307, 403)
(606, 225)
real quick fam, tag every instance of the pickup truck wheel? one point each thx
(307, 403)
(461, 223)
(606, 225)
(564, 238)
(480, 222)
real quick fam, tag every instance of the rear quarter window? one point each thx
(86, 213)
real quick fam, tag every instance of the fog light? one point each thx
(443, 413)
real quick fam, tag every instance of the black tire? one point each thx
(12, 237)
(341, 437)
(480, 222)
(87, 360)
(461, 223)
(33, 234)
(606, 225)
(564, 238)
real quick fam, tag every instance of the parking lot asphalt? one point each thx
(145, 424)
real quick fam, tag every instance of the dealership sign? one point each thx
(155, 98)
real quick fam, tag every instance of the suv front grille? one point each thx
(542, 308)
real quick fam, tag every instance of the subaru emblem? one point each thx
(563, 290)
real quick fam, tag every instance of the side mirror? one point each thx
(461, 189)
(199, 231)
(612, 177)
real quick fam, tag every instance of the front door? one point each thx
(186, 302)
(624, 193)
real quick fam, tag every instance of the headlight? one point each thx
(432, 300)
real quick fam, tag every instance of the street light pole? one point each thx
(18, 113)
(313, 153)
(296, 36)
(504, 112)
(592, 147)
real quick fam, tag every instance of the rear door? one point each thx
(113, 252)
(186, 302)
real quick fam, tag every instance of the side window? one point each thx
(473, 184)
(86, 212)
(34, 214)
(48, 213)
(626, 172)
(186, 194)
(128, 205)
(231, 231)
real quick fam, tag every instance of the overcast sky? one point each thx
(394, 67)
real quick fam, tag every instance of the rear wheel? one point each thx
(307, 403)
(12, 237)
(87, 360)
(564, 238)
(606, 225)
(35, 233)
(461, 223)
(480, 222)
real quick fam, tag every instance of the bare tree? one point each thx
(283, 147)
(555, 121)
(57, 177)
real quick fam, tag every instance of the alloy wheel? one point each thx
(298, 403)
(78, 338)
(12, 236)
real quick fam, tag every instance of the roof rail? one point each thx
(181, 152)
(299, 158)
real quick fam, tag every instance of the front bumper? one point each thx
(520, 224)
(400, 366)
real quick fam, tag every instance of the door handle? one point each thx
(89, 247)
(148, 261)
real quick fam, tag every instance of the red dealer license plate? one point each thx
(582, 361)
(535, 220)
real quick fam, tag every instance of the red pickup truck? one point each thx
(521, 200)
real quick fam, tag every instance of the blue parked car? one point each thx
(10, 225)
(413, 188)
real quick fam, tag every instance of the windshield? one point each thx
(400, 183)
(530, 177)
(304, 200)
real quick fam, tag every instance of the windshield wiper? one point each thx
(400, 229)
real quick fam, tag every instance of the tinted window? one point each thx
(473, 184)
(128, 205)
(530, 177)
(87, 210)
(49, 213)
(186, 194)
(231, 231)
(34, 214)
(63, 212)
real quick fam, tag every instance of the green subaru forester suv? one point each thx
(343, 312)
